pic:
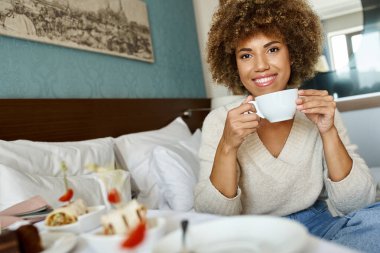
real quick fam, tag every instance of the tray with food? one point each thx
(74, 216)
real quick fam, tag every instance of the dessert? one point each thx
(127, 220)
(9, 242)
(67, 214)
(25, 239)
(124, 219)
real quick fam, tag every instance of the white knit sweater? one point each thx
(289, 183)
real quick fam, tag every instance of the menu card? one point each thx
(33, 210)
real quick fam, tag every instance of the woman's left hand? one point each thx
(319, 107)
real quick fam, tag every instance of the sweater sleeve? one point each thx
(357, 189)
(207, 197)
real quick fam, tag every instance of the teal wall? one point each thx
(37, 70)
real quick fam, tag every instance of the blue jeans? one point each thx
(358, 230)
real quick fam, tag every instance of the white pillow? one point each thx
(134, 148)
(16, 186)
(44, 158)
(34, 168)
(176, 168)
(133, 151)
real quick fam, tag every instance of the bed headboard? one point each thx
(81, 119)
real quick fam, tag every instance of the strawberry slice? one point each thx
(67, 196)
(114, 196)
(135, 237)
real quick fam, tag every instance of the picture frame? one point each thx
(116, 27)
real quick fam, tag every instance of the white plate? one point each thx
(58, 242)
(101, 243)
(86, 222)
(239, 234)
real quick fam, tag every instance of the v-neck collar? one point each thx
(291, 149)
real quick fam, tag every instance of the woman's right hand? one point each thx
(240, 122)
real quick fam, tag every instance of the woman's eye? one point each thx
(273, 49)
(245, 56)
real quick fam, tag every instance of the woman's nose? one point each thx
(261, 64)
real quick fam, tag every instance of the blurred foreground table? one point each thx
(173, 219)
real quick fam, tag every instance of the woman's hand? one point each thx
(319, 107)
(241, 122)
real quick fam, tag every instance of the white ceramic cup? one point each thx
(276, 106)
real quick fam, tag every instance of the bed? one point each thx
(36, 135)
(148, 146)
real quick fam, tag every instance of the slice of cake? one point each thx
(25, 239)
(9, 242)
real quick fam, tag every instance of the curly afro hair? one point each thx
(292, 20)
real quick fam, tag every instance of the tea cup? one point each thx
(276, 106)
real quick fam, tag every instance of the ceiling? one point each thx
(333, 8)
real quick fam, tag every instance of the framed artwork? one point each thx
(116, 27)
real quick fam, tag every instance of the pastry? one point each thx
(67, 214)
(124, 219)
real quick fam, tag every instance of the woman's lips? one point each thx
(264, 81)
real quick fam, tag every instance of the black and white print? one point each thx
(116, 27)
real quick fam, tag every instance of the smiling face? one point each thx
(263, 63)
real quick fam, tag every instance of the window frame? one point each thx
(349, 33)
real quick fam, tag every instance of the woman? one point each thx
(288, 168)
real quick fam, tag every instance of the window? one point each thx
(342, 44)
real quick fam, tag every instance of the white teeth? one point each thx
(264, 79)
